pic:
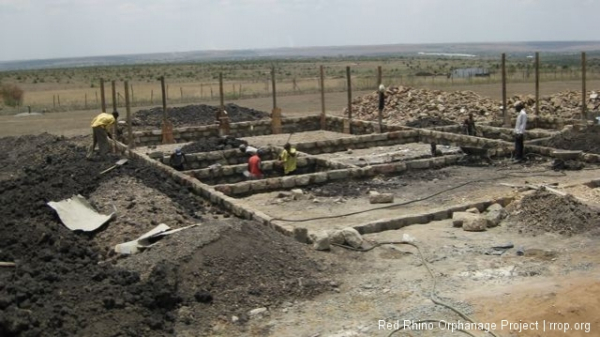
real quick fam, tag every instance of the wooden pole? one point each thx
(102, 96)
(583, 87)
(114, 95)
(322, 85)
(349, 99)
(222, 98)
(504, 110)
(379, 75)
(132, 96)
(274, 89)
(128, 109)
(537, 83)
(164, 97)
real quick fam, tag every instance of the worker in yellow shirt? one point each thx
(287, 159)
(101, 126)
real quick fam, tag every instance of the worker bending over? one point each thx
(287, 159)
(178, 160)
(101, 126)
(254, 165)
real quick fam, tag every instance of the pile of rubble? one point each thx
(408, 106)
(404, 105)
(566, 104)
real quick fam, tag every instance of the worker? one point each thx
(250, 150)
(469, 125)
(101, 126)
(177, 160)
(287, 159)
(520, 126)
(254, 166)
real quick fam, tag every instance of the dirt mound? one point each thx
(213, 144)
(19, 152)
(544, 212)
(58, 288)
(587, 140)
(200, 114)
(566, 104)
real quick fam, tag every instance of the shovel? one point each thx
(121, 162)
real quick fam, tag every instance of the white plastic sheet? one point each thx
(77, 214)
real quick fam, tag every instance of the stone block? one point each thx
(476, 223)
(302, 180)
(258, 185)
(241, 188)
(380, 198)
(319, 177)
(301, 234)
(352, 237)
(418, 164)
(288, 182)
(439, 215)
(337, 174)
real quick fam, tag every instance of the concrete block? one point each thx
(380, 198)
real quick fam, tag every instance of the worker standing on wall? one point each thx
(520, 127)
(381, 106)
(101, 126)
(287, 159)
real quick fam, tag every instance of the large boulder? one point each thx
(495, 214)
(477, 223)
(458, 218)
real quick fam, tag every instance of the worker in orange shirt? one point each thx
(101, 126)
(254, 169)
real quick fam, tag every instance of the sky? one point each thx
(42, 29)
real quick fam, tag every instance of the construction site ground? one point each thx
(210, 279)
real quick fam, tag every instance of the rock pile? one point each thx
(409, 106)
(405, 105)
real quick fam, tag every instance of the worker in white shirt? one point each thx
(520, 127)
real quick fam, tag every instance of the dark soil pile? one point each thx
(544, 212)
(428, 122)
(195, 115)
(213, 144)
(587, 140)
(58, 288)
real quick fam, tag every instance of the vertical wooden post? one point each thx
(274, 89)
(128, 109)
(537, 83)
(167, 93)
(164, 97)
(114, 95)
(504, 109)
(132, 96)
(322, 85)
(222, 98)
(96, 92)
(583, 87)
(102, 96)
(349, 85)
(379, 76)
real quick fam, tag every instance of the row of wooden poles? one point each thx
(223, 119)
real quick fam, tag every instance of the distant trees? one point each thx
(11, 94)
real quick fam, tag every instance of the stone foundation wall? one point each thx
(360, 142)
(543, 122)
(226, 157)
(289, 182)
(360, 127)
(238, 130)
